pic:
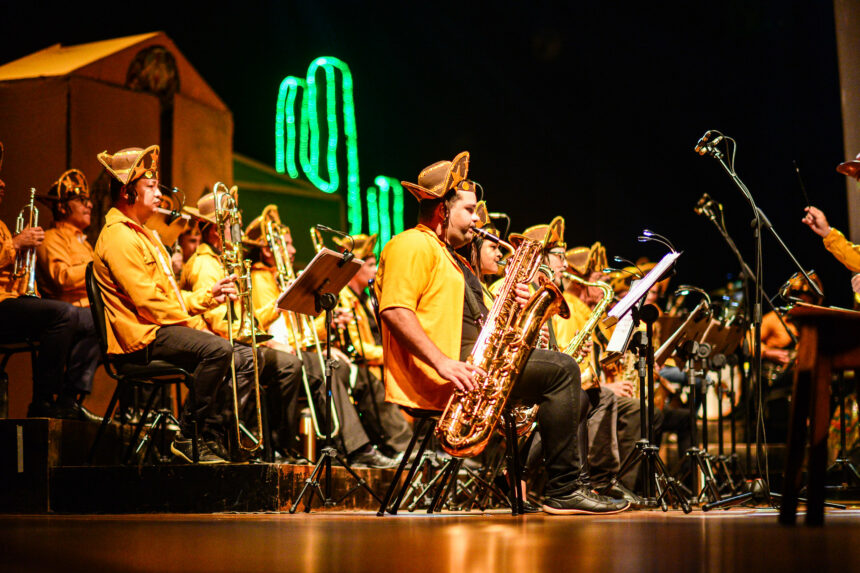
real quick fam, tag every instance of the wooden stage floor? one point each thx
(723, 541)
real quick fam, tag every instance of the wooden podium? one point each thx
(829, 341)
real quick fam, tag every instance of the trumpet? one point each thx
(229, 224)
(25, 259)
(300, 326)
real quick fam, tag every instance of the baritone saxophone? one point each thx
(507, 338)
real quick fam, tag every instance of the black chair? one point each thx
(445, 480)
(152, 375)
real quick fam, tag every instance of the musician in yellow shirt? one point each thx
(279, 372)
(428, 298)
(355, 440)
(49, 322)
(147, 316)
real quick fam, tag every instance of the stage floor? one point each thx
(733, 540)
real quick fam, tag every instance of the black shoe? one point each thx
(529, 507)
(182, 448)
(40, 409)
(216, 446)
(372, 458)
(582, 501)
(619, 491)
(70, 410)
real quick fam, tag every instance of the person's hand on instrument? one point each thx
(621, 388)
(855, 283)
(225, 288)
(29, 237)
(522, 294)
(462, 374)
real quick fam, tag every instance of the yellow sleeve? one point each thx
(7, 247)
(845, 252)
(264, 294)
(54, 258)
(133, 267)
(360, 332)
(205, 270)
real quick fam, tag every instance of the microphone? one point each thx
(705, 144)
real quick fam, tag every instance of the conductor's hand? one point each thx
(815, 220)
(521, 292)
(855, 283)
(29, 237)
(462, 374)
(225, 288)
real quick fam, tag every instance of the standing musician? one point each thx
(62, 260)
(50, 322)
(148, 317)
(355, 441)
(428, 328)
(279, 372)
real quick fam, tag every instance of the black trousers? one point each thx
(551, 380)
(207, 357)
(84, 356)
(53, 324)
(383, 421)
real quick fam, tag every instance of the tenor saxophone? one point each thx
(507, 338)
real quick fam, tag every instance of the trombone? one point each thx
(25, 259)
(229, 224)
(300, 326)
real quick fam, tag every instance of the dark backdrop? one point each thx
(589, 111)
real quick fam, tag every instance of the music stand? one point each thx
(315, 291)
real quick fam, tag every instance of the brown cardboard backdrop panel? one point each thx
(114, 70)
(202, 147)
(33, 131)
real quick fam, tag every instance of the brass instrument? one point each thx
(229, 224)
(25, 259)
(506, 340)
(525, 415)
(300, 326)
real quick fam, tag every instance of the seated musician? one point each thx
(52, 323)
(613, 421)
(62, 261)
(353, 438)
(279, 372)
(362, 335)
(147, 316)
(428, 328)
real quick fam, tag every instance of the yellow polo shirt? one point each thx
(139, 290)
(417, 272)
(202, 270)
(62, 263)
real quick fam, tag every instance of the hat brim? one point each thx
(419, 192)
(850, 169)
(194, 212)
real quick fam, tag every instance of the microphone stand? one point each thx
(760, 220)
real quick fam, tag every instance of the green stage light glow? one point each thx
(299, 146)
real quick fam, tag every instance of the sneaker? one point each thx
(582, 501)
(182, 448)
(619, 491)
(372, 458)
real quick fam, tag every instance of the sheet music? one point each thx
(640, 288)
(622, 333)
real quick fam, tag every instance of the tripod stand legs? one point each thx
(312, 483)
(664, 484)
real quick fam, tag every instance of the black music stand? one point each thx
(314, 291)
(644, 449)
